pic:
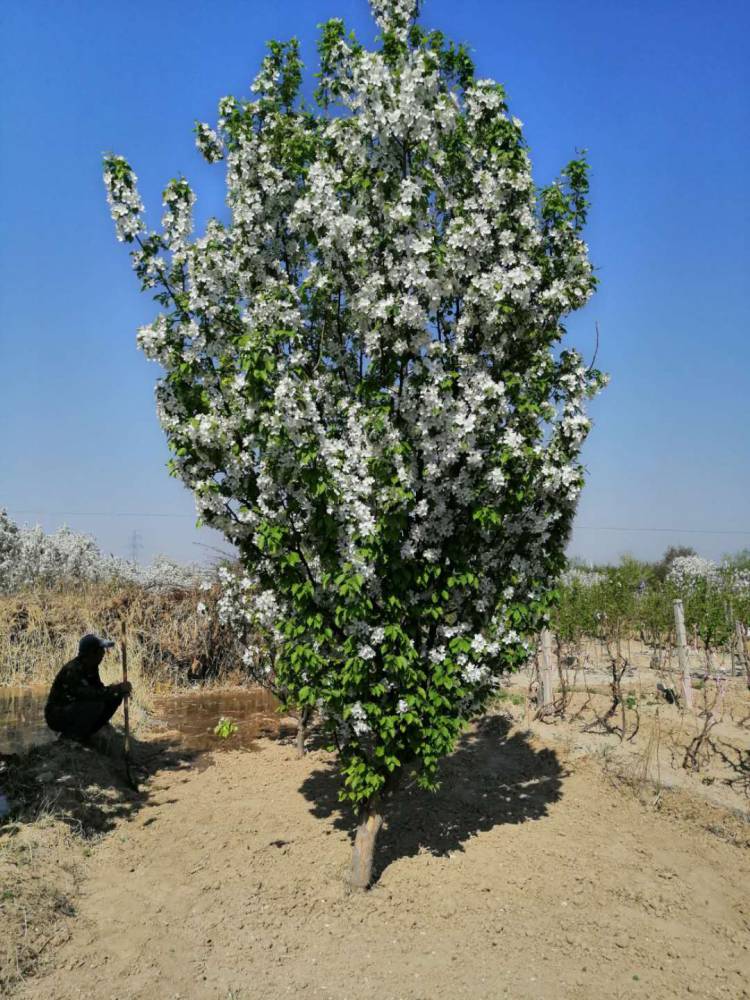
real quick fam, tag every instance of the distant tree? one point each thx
(364, 387)
(714, 597)
(10, 551)
(739, 561)
(31, 557)
(663, 566)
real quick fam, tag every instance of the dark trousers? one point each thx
(83, 718)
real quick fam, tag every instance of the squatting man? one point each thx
(79, 704)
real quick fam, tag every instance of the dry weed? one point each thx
(172, 642)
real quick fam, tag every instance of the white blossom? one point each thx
(358, 719)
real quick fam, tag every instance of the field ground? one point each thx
(549, 865)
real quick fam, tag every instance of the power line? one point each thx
(576, 527)
(94, 513)
(682, 531)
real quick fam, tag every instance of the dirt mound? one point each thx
(85, 787)
(527, 875)
(60, 799)
(39, 869)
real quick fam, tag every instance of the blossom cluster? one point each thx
(686, 569)
(686, 572)
(251, 617)
(576, 576)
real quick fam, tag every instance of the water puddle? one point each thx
(191, 717)
(250, 714)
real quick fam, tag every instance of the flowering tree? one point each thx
(30, 557)
(364, 387)
(10, 550)
(714, 596)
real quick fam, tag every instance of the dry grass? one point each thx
(169, 643)
(37, 882)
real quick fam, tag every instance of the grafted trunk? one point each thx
(302, 723)
(363, 854)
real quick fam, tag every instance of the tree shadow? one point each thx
(86, 786)
(491, 778)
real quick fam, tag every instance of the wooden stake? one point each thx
(546, 705)
(744, 649)
(125, 708)
(682, 653)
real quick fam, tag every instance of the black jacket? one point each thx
(76, 682)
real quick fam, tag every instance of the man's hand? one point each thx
(125, 688)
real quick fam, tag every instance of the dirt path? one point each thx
(525, 877)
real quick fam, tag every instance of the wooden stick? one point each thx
(682, 653)
(125, 707)
(744, 649)
(545, 701)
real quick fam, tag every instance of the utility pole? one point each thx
(135, 546)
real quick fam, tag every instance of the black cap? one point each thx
(90, 642)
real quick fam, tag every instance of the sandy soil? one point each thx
(659, 736)
(531, 874)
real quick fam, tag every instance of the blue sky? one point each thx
(658, 92)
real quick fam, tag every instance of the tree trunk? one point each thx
(302, 722)
(363, 854)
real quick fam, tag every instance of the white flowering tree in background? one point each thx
(637, 599)
(364, 386)
(715, 597)
(31, 557)
(10, 550)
